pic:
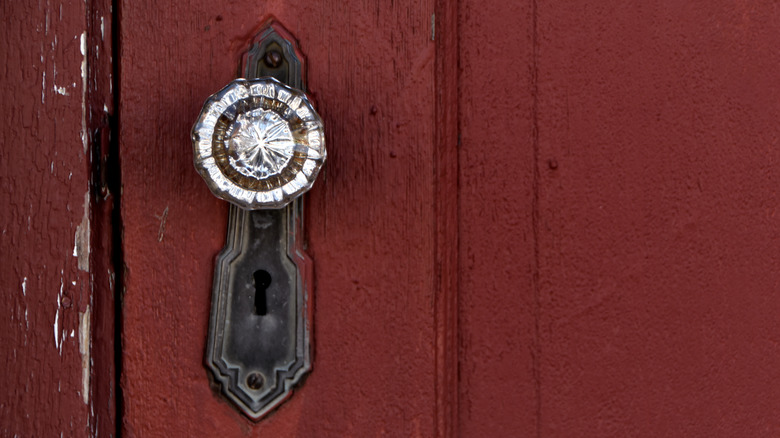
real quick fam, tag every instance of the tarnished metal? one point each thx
(259, 344)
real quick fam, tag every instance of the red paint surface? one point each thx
(602, 244)
(47, 205)
(498, 387)
(658, 234)
(371, 218)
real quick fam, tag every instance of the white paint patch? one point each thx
(81, 245)
(84, 135)
(43, 87)
(102, 29)
(57, 341)
(84, 349)
(24, 286)
(61, 90)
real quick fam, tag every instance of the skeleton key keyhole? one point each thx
(262, 282)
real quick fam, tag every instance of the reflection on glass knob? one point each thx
(258, 143)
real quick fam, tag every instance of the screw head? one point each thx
(255, 381)
(272, 59)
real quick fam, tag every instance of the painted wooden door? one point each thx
(56, 201)
(537, 219)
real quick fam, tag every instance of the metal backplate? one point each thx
(259, 344)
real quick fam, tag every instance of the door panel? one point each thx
(658, 239)
(371, 218)
(498, 381)
(535, 219)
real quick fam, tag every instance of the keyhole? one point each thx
(262, 281)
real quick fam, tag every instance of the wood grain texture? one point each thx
(371, 217)
(659, 236)
(47, 277)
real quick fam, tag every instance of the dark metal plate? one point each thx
(259, 344)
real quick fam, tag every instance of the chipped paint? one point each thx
(84, 135)
(24, 294)
(81, 245)
(102, 29)
(57, 340)
(61, 90)
(84, 349)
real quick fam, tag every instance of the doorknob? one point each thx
(259, 144)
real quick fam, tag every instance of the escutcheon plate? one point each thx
(259, 345)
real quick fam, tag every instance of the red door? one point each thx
(536, 219)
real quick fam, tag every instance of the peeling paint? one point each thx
(24, 286)
(84, 135)
(61, 90)
(81, 245)
(102, 29)
(84, 349)
(57, 341)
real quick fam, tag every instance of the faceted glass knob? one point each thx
(258, 143)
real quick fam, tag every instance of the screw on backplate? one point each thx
(255, 381)
(272, 59)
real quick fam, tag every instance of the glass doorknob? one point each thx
(258, 143)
